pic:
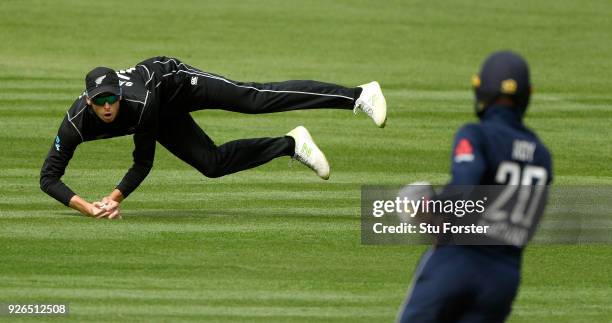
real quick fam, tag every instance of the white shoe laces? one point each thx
(363, 106)
(304, 161)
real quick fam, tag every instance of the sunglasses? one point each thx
(102, 100)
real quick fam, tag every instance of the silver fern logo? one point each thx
(99, 80)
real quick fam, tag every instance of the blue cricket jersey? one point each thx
(499, 150)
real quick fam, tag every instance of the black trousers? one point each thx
(185, 89)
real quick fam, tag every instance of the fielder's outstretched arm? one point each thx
(60, 154)
(144, 153)
(53, 169)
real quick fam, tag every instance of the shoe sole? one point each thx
(382, 125)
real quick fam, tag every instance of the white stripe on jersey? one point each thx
(75, 127)
(143, 107)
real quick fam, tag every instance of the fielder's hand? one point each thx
(110, 209)
(95, 210)
(418, 191)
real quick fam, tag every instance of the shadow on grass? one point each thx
(294, 213)
(200, 213)
(162, 213)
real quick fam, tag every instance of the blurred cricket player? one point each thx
(478, 283)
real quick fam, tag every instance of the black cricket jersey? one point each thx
(138, 115)
(157, 96)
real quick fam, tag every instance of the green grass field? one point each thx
(276, 244)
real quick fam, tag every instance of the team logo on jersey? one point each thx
(194, 80)
(57, 143)
(464, 151)
(100, 79)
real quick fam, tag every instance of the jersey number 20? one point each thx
(530, 184)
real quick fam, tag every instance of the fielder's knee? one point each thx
(212, 171)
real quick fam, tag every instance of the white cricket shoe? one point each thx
(372, 102)
(307, 152)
